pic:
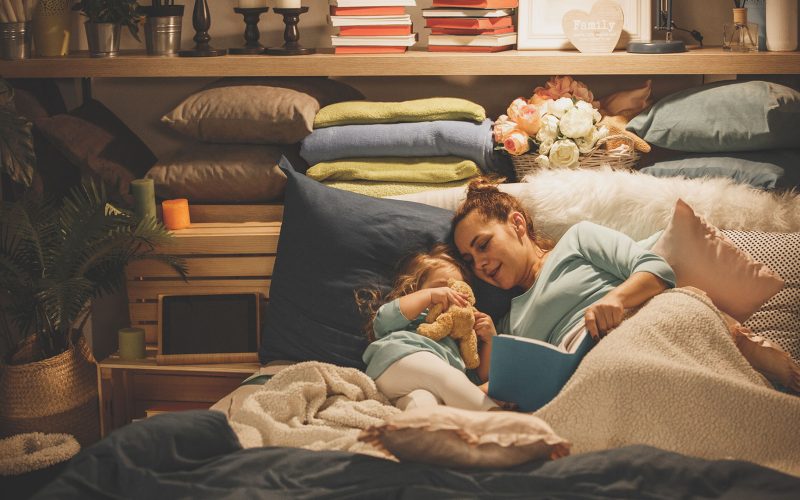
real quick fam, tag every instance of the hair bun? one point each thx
(483, 185)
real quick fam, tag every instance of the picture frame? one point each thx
(539, 23)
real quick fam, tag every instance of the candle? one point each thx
(252, 4)
(176, 213)
(287, 4)
(144, 197)
(131, 343)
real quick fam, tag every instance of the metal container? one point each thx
(162, 35)
(103, 39)
(15, 40)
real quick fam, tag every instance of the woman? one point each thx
(591, 276)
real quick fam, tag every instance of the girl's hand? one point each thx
(446, 296)
(603, 316)
(484, 326)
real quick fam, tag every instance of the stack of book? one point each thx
(371, 26)
(471, 25)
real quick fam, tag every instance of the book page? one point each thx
(573, 338)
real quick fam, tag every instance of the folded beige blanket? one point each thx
(417, 110)
(434, 169)
(381, 189)
(671, 377)
(312, 405)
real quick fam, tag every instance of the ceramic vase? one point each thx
(781, 25)
(52, 23)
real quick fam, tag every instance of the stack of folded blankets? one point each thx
(391, 148)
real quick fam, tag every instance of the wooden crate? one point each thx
(222, 257)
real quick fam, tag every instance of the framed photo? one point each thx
(539, 22)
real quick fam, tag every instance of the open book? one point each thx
(531, 372)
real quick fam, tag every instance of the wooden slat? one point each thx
(149, 290)
(143, 311)
(415, 62)
(183, 387)
(205, 266)
(236, 213)
(211, 239)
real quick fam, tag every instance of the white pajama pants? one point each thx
(424, 379)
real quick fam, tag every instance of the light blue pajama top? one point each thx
(396, 337)
(587, 262)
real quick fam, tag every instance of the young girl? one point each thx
(412, 370)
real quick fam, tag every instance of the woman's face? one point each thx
(496, 250)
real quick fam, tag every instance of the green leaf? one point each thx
(17, 157)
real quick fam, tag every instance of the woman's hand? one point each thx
(446, 296)
(484, 326)
(603, 316)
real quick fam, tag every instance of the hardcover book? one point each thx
(373, 3)
(370, 20)
(477, 4)
(468, 22)
(391, 41)
(531, 372)
(374, 30)
(375, 49)
(457, 48)
(469, 31)
(367, 11)
(474, 40)
(467, 12)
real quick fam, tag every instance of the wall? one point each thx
(141, 102)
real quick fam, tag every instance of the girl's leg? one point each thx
(425, 370)
(419, 398)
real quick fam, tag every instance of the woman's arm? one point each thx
(484, 328)
(607, 313)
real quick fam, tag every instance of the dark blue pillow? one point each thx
(333, 242)
(760, 169)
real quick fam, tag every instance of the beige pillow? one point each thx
(252, 114)
(703, 257)
(453, 437)
(221, 173)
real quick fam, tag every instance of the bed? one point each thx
(330, 240)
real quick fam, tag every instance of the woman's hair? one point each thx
(412, 271)
(493, 204)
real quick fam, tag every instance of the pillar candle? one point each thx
(287, 4)
(131, 343)
(144, 197)
(176, 213)
(252, 4)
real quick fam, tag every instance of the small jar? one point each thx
(740, 36)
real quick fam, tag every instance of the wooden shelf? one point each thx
(414, 63)
(149, 364)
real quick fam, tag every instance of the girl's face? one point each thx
(439, 275)
(495, 250)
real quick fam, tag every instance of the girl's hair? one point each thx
(412, 271)
(493, 204)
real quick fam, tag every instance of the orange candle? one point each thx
(176, 213)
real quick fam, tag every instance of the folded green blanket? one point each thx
(418, 110)
(431, 170)
(382, 189)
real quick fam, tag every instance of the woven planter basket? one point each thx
(56, 395)
(618, 158)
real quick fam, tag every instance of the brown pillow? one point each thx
(325, 90)
(221, 173)
(251, 114)
(452, 437)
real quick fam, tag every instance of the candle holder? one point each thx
(251, 33)
(201, 22)
(291, 34)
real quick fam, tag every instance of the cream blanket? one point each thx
(312, 405)
(671, 377)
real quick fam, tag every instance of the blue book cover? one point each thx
(531, 372)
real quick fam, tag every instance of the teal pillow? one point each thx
(723, 117)
(760, 169)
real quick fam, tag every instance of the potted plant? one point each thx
(53, 261)
(105, 19)
(17, 159)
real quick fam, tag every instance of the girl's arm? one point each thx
(607, 313)
(414, 303)
(484, 328)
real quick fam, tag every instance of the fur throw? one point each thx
(34, 450)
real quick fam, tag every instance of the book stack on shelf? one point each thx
(371, 26)
(471, 25)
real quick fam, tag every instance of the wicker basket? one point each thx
(56, 395)
(621, 156)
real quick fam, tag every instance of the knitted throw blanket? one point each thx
(312, 405)
(670, 376)
(418, 110)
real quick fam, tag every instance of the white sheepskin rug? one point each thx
(634, 203)
(639, 204)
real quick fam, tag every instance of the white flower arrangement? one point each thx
(559, 122)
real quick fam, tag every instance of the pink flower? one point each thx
(563, 86)
(526, 116)
(517, 143)
(514, 107)
(502, 127)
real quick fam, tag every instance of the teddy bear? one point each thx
(457, 322)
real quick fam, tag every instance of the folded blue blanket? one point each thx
(472, 141)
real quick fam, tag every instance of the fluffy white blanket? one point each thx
(312, 405)
(670, 376)
(634, 203)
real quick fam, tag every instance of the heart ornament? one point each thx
(595, 32)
